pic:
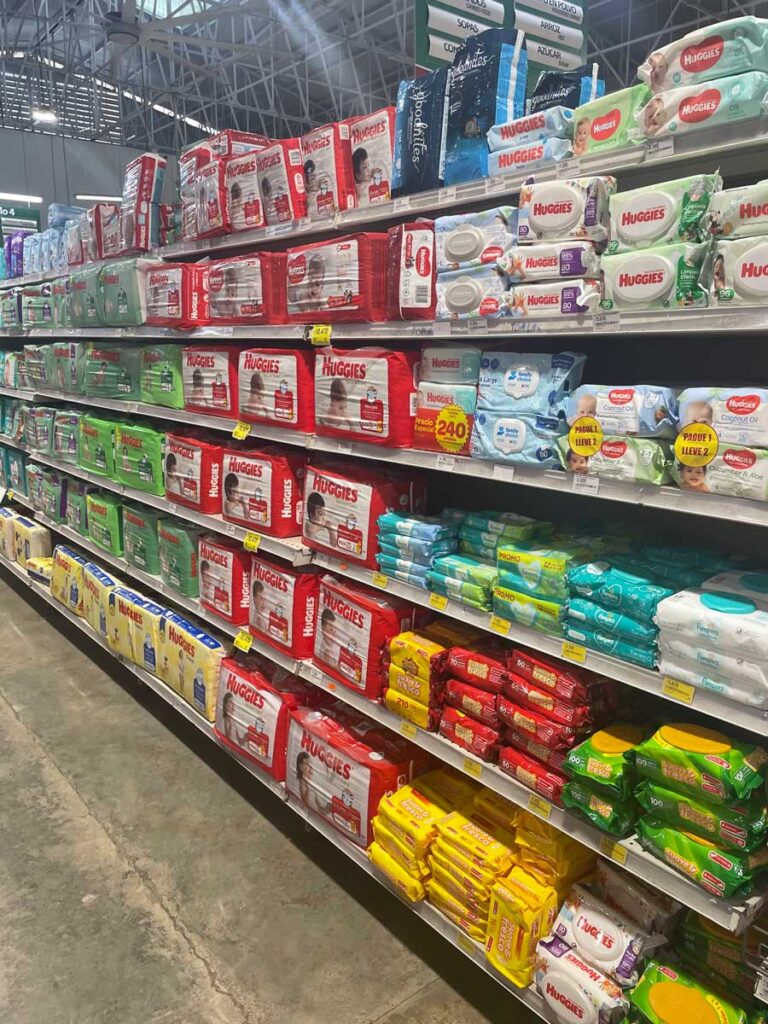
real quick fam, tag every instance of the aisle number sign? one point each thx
(585, 436)
(696, 445)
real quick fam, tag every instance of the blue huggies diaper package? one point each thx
(638, 460)
(736, 471)
(529, 382)
(640, 410)
(97, 586)
(738, 415)
(527, 158)
(524, 439)
(473, 239)
(552, 123)
(420, 124)
(67, 584)
(691, 108)
(606, 643)
(470, 294)
(672, 211)
(739, 212)
(190, 662)
(726, 622)
(617, 590)
(582, 612)
(547, 260)
(739, 274)
(664, 277)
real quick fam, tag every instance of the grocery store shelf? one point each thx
(12, 496)
(289, 548)
(23, 394)
(706, 702)
(13, 443)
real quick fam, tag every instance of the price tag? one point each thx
(660, 149)
(313, 673)
(539, 806)
(241, 430)
(471, 767)
(465, 944)
(378, 579)
(447, 462)
(438, 601)
(676, 690)
(506, 473)
(583, 484)
(251, 541)
(408, 729)
(172, 506)
(606, 321)
(761, 989)
(344, 447)
(478, 326)
(613, 850)
(459, 327)
(400, 204)
(573, 652)
(495, 185)
(9, 495)
(320, 334)
(498, 625)
(310, 440)
(243, 641)
(569, 168)
(448, 195)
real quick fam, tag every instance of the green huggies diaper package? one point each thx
(112, 371)
(663, 277)
(124, 289)
(672, 211)
(53, 491)
(68, 359)
(86, 303)
(66, 435)
(140, 537)
(62, 303)
(77, 506)
(36, 364)
(36, 306)
(139, 457)
(610, 121)
(105, 521)
(178, 556)
(161, 378)
(97, 445)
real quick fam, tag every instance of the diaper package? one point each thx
(553, 298)
(77, 506)
(113, 370)
(97, 586)
(87, 303)
(642, 410)
(178, 546)
(473, 239)
(53, 494)
(62, 303)
(139, 457)
(739, 212)
(739, 272)
(207, 191)
(694, 107)
(735, 471)
(247, 289)
(103, 231)
(551, 123)
(124, 292)
(160, 376)
(276, 386)
(140, 538)
(450, 364)
(528, 157)
(420, 127)
(124, 606)
(411, 272)
(283, 608)
(668, 276)
(339, 279)
(609, 122)
(241, 180)
(281, 181)
(193, 472)
(97, 445)
(366, 393)
(738, 415)
(68, 365)
(177, 295)
(105, 521)
(67, 578)
(190, 663)
(444, 417)
(371, 140)
(672, 211)
(209, 377)
(328, 175)
(263, 489)
(560, 210)
(544, 262)
(472, 293)
(224, 568)
(30, 540)
(354, 628)
(36, 306)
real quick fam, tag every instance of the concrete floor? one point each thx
(144, 877)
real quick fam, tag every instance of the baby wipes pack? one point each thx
(527, 158)
(518, 438)
(450, 364)
(105, 521)
(738, 415)
(472, 239)
(664, 277)
(209, 379)
(712, 103)
(140, 538)
(553, 211)
(637, 460)
(739, 212)
(554, 298)
(726, 621)
(740, 272)
(552, 123)
(97, 445)
(643, 410)
(160, 376)
(67, 578)
(444, 417)
(609, 122)
(328, 177)
(178, 546)
(112, 370)
(190, 663)
(471, 293)
(531, 382)
(735, 471)
(139, 457)
(673, 211)
(544, 262)
(97, 586)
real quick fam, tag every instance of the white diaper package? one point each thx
(739, 212)
(665, 277)
(243, 197)
(529, 382)
(549, 260)
(751, 585)
(552, 211)
(190, 663)
(740, 272)
(695, 107)
(553, 123)
(522, 439)
(670, 211)
(97, 586)
(7, 517)
(281, 181)
(450, 364)
(30, 540)
(738, 415)
(726, 623)
(735, 471)
(574, 297)
(472, 293)
(473, 239)
(528, 157)
(371, 139)
(640, 410)
(743, 679)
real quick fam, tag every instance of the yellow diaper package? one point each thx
(477, 882)
(97, 586)
(40, 570)
(481, 841)
(30, 540)
(7, 518)
(416, 654)
(67, 578)
(477, 902)
(497, 809)
(397, 850)
(189, 663)
(472, 923)
(145, 624)
(122, 607)
(515, 925)
(406, 884)
(412, 817)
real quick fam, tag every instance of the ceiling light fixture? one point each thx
(14, 197)
(99, 199)
(44, 115)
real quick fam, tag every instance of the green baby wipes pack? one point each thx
(535, 612)
(124, 290)
(105, 521)
(469, 570)
(178, 556)
(161, 376)
(661, 277)
(601, 760)
(735, 471)
(468, 593)
(508, 525)
(68, 359)
(671, 211)
(640, 460)
(139, 451)
(539, 570)
(97, 445)
(112, 370)
(605, 811)
(610, 121)
(477, 550)
(86, 299)
(140, 537)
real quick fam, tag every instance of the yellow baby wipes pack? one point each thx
(30, 540)
(479, 840)
(412, 817)
(189, 662)
(97, 586)
(67, 578)
(406, 884)
(397, 850)
(123, 607)
(7, 517)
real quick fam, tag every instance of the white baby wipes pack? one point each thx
(545, 261)
(695, 107)
(752, 672)
(643, 410)
(738, 415)
(559, 210)
(735, 471)
(528, 157)
(739, 212)
(554, 298)
(524, 439)
(469, 294)
(672, 211)
(553, 123)
(666, 277)
(190, 663)
(448, 364)
(751, 585)
(529, 382)
(472, 239)
(739, 686)
(740, 272)
(728, 623)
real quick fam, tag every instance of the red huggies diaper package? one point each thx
(231, 142)
(338, 280)
(354, 627)
(276, 386)
(177, 295)
(103, 231)
(328, 178)
(225, 578)
(284, 606)
(243, 199)
(139, 227)
(209, 376)
(342, 504)
(281, 182)
(143, 179)
(247, 289)
(209, 187)
(371, 139)
(252, 713)
(193, 472)
(411, 291)
(264, 489)
(366, 393)
(340, 769)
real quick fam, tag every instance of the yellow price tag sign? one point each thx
(498, 625)
(675, 690)
(584, 440)
(573, 652)
(438, 601)
(320, 334)
(241, 430)
(465, 944)
(452, 428)
(378, 579)
(695, 447)
(243, 641)
(473, 768)
(9, 495)
(251, 541)
(539, 806)
(613, 850)
(408, 729)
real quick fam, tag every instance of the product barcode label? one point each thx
(613, 850)
(584, 484)
(539, 806)
(573, 652)
(447, 462)
(422, 292)
(675, 690)
(659, 149)
(478, 326)
(378, 579)
(243, 641)
(473, 768)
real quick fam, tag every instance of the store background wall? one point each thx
(57, 168)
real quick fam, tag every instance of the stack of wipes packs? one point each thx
(521, 406)
(467, 248)
(446, 398)
(663, 214)
(409, 545)
(525, 143)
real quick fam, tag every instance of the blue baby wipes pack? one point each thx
(523, 440)
(420, 123)
(636, 410)
(527, 382)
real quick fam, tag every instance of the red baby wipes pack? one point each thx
(569, 683)
(224, 568)
(264, 489)
(284, 606)
(338, 280)
(276, 386)
(480, 704)
(193, 472)
(209, 378)
(468, 733)
(247, 289)
(243, 198)
(340, 769)
(252, 713)
(103, 231)
(371, 139)
(549, 733)
(529, 696)
(209, 187)
(411, 291)
(177, 295)
(483, 668)
(547, 782)
(354, 627)
(327, 162)
(281, 182)
(366, 393)
(342, 504)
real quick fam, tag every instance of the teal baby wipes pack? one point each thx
(422, 551)
(625, 650)
(390, 566)
(584, 612)
(509, 525)
(161, 376)
(690, 108)
(112, 371)
(617, 590)
(419, 527)
(469, 570)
